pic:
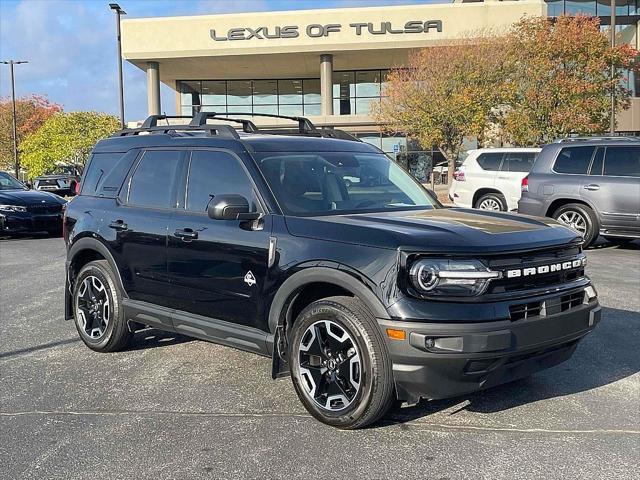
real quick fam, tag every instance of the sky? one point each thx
(71, 48)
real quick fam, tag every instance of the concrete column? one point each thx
(153, 88)
(326, 84)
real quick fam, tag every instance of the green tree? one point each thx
(65, 137)
(445, 94)
(560, 74)
(31, 113)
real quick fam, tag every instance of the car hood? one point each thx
(454, 230)
(28, 197)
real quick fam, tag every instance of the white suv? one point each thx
(490, 178)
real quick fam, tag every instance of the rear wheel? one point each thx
(579, 218)
(97, 309)
(491, 201)
(340, 366)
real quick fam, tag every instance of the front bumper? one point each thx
(18, 222)
(445, 359)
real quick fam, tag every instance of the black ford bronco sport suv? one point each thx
(365, 294)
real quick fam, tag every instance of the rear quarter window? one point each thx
(99, 165)
(490, 161)
(622, 161)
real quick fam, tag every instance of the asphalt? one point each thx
(172, 407)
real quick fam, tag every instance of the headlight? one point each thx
(450, 278)
(12, 208)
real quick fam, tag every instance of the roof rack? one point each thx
(596, 138)
(199, 123)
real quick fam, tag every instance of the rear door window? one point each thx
(622, 161)
(153, 184)
(490, 161)
(518, 161)
(574, 160)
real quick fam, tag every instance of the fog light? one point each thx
(590, 293)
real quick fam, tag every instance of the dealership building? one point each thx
(327, 64)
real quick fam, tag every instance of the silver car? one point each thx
(589, 184)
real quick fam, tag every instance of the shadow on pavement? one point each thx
(37, 348)
(605, 356)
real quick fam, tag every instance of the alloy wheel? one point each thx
(330, 365)
(574, 220)
(93, 308)
(489, 204)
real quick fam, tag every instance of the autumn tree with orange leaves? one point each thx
(31, 113)
(542, 80)
(445, 94)
(561, 79)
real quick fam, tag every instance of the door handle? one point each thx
(118, 225)
(186, 234)
(592, 187)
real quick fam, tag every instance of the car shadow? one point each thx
(607, 355)
(602, 244)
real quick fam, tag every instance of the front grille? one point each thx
(48, 182)
(550, 306)
(44, 208)
(534, 259)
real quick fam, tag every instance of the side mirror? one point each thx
(230, 207)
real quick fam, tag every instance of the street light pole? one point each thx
(612, 119)
(16, 159)
(119, 12)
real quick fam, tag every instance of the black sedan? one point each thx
(24, 211)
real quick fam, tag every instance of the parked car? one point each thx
(25, 211)
(589, 184)
(490, 178)
(62, 180)
(363, 297)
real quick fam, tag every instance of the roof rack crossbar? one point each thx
(217, 130)
(304, 124)
(152, 120)
(200, 119)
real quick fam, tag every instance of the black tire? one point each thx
(582, 213)
(375, 393)
(347, 183)
(115, 335)
(491, 199)
(619, 240)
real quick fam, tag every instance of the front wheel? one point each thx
(580, 219)
(340, 366)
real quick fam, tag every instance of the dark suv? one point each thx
(365, 294)
(589, 184)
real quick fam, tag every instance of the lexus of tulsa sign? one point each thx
(316, 30)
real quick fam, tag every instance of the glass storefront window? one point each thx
(365, 106)
(190, 93)
(214, 108)
(265, 92)
(312, 109)
(270, 109)
(343, 84)
(573, 7)
(368, 83)
(555, 8)
(292, 110)
(344, 106)
(290, 91)
(239, 92)
(311, 90)
(213, 93)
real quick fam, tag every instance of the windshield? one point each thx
(63, 170)
(7, 182)
(340, 182)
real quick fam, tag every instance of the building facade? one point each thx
(329, 65)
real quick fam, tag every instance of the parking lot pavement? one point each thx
(172, 407)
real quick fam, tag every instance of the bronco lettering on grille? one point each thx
(553, 267)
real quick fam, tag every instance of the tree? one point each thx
(561, 78)
(31, 113)
(65, 137)
(445, 94)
